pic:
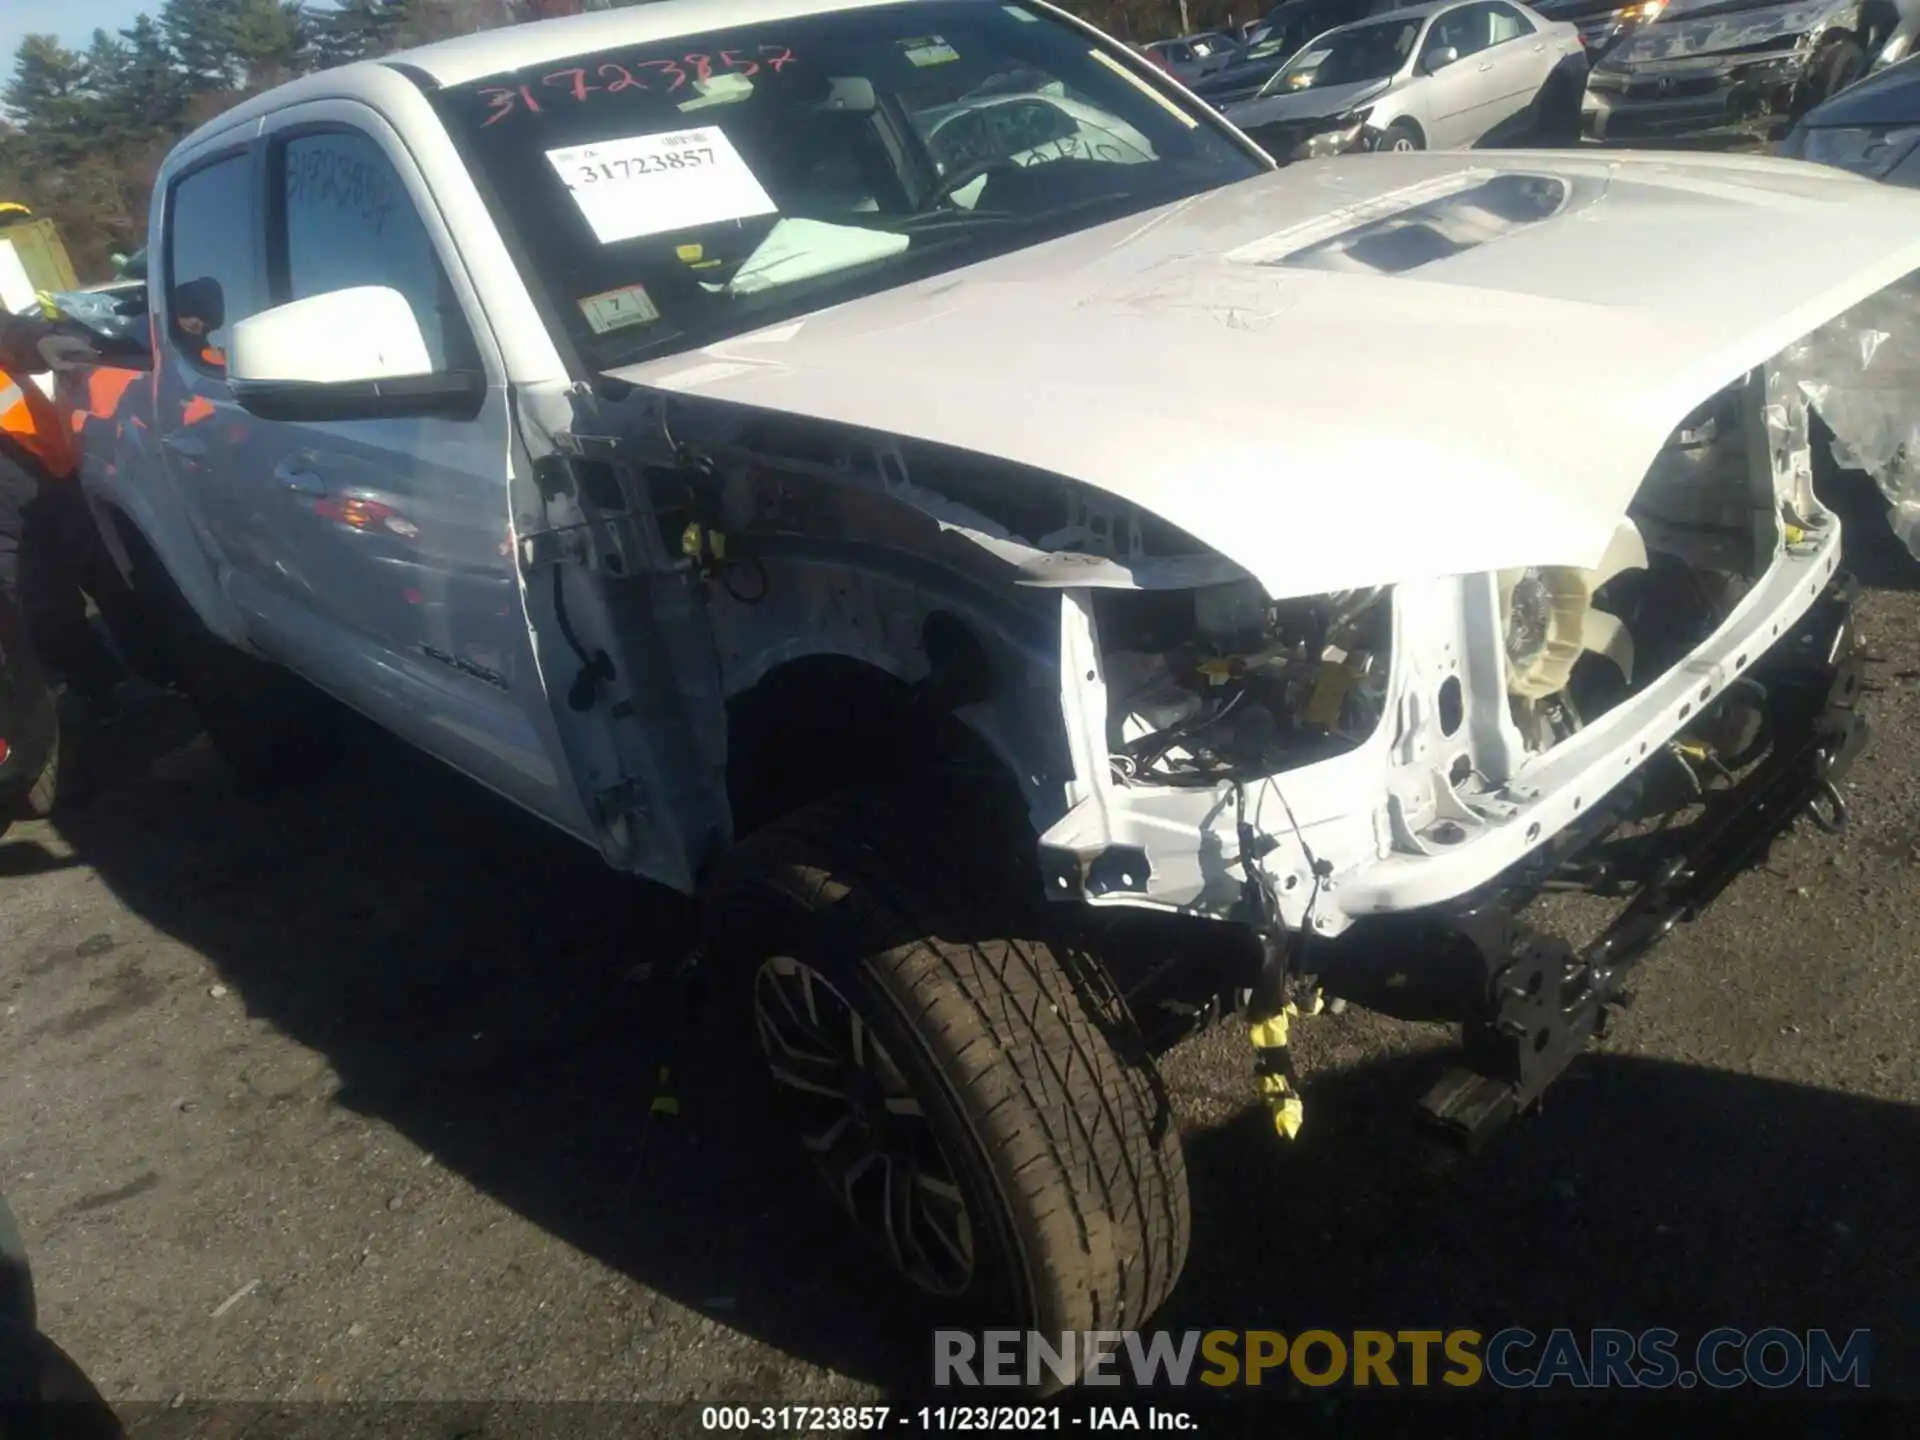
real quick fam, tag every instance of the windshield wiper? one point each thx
(934, 221)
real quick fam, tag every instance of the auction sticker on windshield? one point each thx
(617, 309)
(650, 184)
(931, 50)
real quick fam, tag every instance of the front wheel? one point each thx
(1400, 136)
(1839, 64)
(975, 1098)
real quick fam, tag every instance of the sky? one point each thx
(72, 21)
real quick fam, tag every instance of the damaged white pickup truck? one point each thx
(875, 523)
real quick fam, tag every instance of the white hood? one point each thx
(1326, 423)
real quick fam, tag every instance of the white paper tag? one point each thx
(931, 51)
(617, 309)
(650, 184)
(1017, 13)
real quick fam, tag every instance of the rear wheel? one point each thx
(269, 727)
(975, 1098)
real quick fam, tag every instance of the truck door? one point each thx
(376, 555)
(212, 276)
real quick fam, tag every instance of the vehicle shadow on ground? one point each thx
(1649, 1193)
(471, 980)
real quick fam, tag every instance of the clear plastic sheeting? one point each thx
(1861, 374)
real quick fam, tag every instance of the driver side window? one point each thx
(346, 219)
(1465, 30)
(1505, 23)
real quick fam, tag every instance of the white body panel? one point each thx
(1411, 420)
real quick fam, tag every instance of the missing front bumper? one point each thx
(1529, 1001)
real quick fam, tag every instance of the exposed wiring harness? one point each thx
(1271, 1007)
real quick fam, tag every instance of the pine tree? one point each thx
(195, 34)
(357, 29)
(271, 39)
(150, 96)
(48, 96)
(235, 44)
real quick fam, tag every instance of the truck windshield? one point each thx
(671, 194)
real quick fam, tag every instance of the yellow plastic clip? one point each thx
(1793, 534)
(704, 546)
(663, 1103)
(1283, 1101)
(1271, 1034)
(1288, 1112)
(1330, 689)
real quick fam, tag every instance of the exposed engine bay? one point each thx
(1236, 684)
(1221, 683)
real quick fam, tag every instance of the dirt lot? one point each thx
(348, 1097)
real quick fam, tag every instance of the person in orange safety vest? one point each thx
(51, 554)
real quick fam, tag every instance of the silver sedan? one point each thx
(1442, 75)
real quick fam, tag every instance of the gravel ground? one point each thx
(348, 1097)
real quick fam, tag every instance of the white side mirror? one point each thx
(354, 354)
(343, 337)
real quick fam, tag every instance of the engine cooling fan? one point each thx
(1548, 621)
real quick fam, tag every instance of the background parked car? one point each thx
(1286, 30)
(1192, 56)
(1872, 130)
(1442, 76)
(1602, 23)
(1712, 69)
(1897, 43)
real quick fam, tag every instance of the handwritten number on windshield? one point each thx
(574, 80)
(671, 69)
(501, 102)
(668, 75)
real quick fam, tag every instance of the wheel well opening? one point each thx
(825, 723)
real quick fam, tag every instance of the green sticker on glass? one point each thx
(931, 50)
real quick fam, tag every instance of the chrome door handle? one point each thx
(1486, 67)
(295, 476)
(191, 447)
